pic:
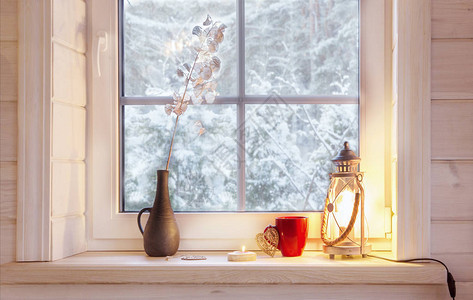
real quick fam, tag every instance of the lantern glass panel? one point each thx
(342, 196)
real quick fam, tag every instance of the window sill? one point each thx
(135, 267)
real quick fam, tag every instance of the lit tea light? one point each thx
(241, 255)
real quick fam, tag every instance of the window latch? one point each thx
(102, 46)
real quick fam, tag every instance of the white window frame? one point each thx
(411, 141)
(111, 230)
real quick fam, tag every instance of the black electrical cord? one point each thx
(450, 280)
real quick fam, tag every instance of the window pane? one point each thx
(156, 34)
(202, 173)
(299, 47)
(292, 47)
(289, 150)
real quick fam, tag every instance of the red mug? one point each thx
(293, 232)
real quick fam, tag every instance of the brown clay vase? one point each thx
(161, 234)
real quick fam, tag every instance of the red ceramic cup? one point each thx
(293, 232)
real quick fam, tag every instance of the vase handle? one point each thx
(139, 217)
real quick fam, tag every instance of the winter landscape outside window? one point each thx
(289, 90)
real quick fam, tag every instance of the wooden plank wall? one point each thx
(452, 129)
(68, 113)
(8, 127)
(452, 137)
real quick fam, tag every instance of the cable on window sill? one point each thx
(450, 280)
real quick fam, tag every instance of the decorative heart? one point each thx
(268, 241)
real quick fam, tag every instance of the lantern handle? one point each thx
(324, 235)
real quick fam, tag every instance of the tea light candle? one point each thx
(241, 255)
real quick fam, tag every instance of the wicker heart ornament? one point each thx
(268, 241)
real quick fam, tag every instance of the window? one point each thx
(107, 228)
(288, 99)
(241, 99)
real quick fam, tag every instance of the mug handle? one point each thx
(139, 217)
(272, 226)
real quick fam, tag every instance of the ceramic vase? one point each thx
(161, 235)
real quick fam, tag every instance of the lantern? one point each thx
(343, 226)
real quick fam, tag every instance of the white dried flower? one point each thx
(200, 127)
(196, 100)
(212, 45)
(211, 85)
(206, 72)
(215, 64)
(178, 110)
(207, 21)
(204, 41)
(217, 35)
(210, 97)
(168, 109)
(197, 30)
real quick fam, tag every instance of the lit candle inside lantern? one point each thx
(344, 207)
(241, 255)
(343, 211)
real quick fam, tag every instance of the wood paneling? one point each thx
(452, 129)
(452, 237)
(460, 264)
(452, 190)
(67, 236)
(452, 69)
(8, 127)
(464, 291)
(452, 19)
(8, 71)
(69, 23)
(7, 211)
(69, 81)
(234, 292)
(452, 139)
(68, 188)
(68, 132)
(8, 190)
(8, 131)
(8, 240)
(8, 20)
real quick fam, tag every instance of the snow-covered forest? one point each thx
(292, 47)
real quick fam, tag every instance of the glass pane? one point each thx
(156, 37)
(289, 150)
(202, 173)
(300, 47)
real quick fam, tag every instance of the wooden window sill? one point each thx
(135, 267)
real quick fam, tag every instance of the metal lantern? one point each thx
(344, 208)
